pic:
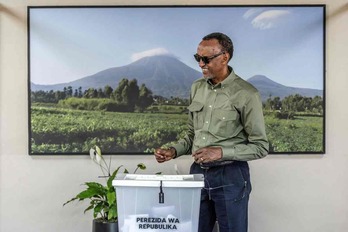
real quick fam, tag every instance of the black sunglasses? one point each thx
(206, 59)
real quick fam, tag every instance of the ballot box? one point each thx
(158, 203)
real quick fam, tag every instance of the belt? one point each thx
(215, 164)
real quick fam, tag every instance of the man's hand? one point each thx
(207, 154)
(163, 155)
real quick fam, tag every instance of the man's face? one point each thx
(214, 68)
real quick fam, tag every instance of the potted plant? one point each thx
(102, 198)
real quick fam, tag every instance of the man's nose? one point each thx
(201, 63)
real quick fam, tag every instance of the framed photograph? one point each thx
(119, 76)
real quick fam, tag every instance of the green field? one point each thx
(55, 130)
(302, 134)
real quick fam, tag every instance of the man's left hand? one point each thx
(207, 154)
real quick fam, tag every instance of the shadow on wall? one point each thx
(13, 14)
(338, 11)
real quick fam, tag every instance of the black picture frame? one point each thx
(75, 53)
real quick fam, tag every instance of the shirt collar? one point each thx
(231, 77)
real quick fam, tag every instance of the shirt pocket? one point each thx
(224, 123)
(196, 109)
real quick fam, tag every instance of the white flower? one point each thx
(99, 155)
(98, 158)
(96, 155)
(92, 154)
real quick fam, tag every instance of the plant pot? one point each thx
(101, 226)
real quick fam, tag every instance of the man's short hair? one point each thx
(225, 42)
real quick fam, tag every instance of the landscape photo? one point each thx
(120, 77)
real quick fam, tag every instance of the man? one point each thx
(225, 130)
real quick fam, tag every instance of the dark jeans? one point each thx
(225, 197)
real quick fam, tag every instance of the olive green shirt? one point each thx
(227, 115)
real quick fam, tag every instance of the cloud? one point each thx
(267, 19)
(251, 12)
(152, 52)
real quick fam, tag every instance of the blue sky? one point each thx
(283, 43)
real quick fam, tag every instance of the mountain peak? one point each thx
(268, 87)
(157, 59)
(263, 80)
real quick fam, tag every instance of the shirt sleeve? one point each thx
(184, 145)
(252, 120)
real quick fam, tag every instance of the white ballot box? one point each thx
(158, 203)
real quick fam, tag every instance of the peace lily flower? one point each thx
(96, 156)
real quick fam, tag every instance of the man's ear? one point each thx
(226, 57)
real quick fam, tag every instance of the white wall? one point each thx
(298, 193)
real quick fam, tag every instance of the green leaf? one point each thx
(98, 188)
(88, 208)
(141, 166)
(111, 197)
(90, 192)
(72, 199)
(94, 185)
(112, 212)
(112, 177)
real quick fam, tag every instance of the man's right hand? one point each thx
(163, 155)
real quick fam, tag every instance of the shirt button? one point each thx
(210, 106)
(214, 90)
(203, 137)
(223, 118)
(206, 122)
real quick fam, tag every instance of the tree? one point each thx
(69, 91)
(273, 104)
(59, 95)
(127, 93)
(133, 94)
(117, 94)
(317, 105)
(90, 93)
(100, 93)
(80, 92)
(108, 91)
(76, 93)
(290, 103)
(145, 97)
